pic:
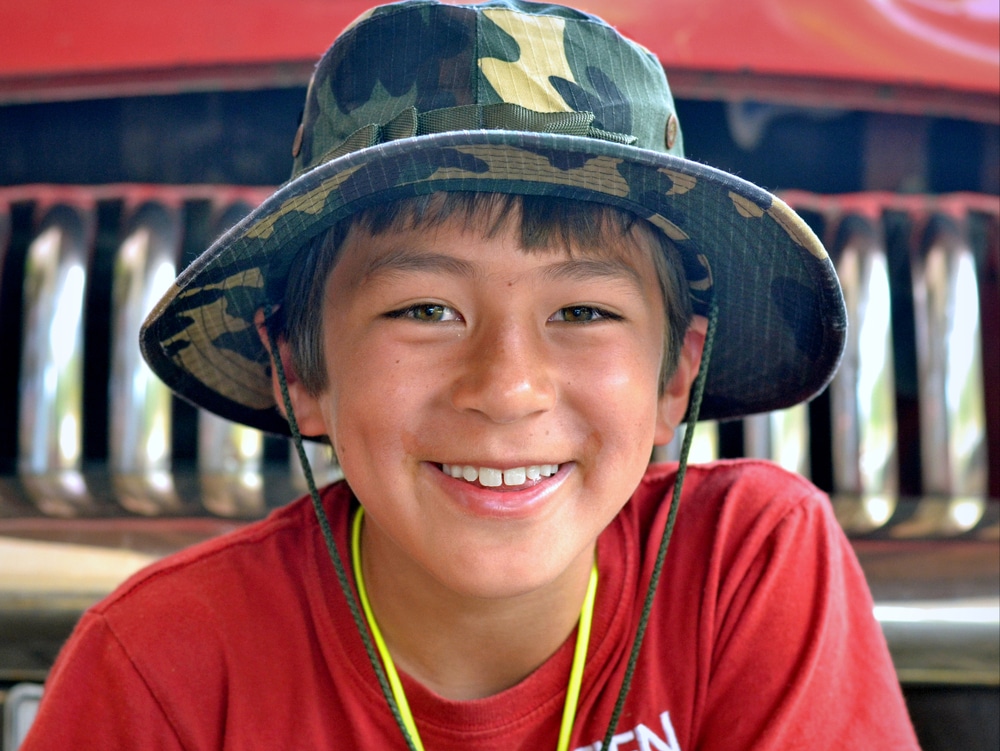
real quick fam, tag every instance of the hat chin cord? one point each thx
(331, 546)
(697, 392)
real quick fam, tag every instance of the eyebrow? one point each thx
(587, 269)
(406, 260)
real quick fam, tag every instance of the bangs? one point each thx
(546, 223)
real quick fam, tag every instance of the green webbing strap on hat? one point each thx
(498, 116)
(675, 502)
(331, 545)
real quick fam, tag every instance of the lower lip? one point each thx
(503, 502)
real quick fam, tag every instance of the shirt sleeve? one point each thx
(798, 659)
(95, 699)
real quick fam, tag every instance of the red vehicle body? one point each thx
(140, 130)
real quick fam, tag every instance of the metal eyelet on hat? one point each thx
(670, 134)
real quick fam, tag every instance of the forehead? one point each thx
(578, 231)
(478, 252)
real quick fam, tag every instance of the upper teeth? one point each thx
(492, 478)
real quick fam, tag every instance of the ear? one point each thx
(306, 406)
(673, 403)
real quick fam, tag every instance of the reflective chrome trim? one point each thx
(931, 563)
(863, 393)
(781, 436)
(949, 358)
(139, 450)
(144, 269)
(55, 278)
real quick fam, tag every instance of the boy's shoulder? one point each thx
(756, 482)
(255, 553)
(729, 502)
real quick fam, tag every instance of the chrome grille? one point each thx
(905, 439)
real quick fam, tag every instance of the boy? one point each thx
(493, 284)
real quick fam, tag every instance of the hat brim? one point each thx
(782, 321)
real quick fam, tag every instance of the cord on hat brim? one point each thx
(331, 545)
(355, 608)
(675, 502)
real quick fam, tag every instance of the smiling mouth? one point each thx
(488, 477)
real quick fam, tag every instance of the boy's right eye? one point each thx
(426, 313)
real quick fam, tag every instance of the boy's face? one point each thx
(447, 352)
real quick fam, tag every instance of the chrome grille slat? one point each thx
(863, 393)
(949, 357)
(930, 560)
(145, 266)
(51, 407)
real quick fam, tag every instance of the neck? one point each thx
(465, 647)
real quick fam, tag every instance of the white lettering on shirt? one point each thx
(641, 738)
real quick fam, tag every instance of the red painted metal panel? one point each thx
(62, 36)
(62, 45)
(949, 43)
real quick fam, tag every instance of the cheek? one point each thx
(618, 395)
(627, 371)
(374, 398)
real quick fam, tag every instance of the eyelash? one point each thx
(598, 314)
(412, 311)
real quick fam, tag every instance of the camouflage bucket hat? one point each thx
(510, 97)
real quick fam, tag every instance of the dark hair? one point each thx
(545, 221)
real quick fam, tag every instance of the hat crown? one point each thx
(507, 97)
(498, 65)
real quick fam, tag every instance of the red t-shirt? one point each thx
(761, 637)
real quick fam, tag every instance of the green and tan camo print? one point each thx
(512, 97)
(454, 68)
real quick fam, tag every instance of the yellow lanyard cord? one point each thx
(575, 673)
(579, 660)
(390, 666)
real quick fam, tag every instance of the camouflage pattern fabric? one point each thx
(509, 97)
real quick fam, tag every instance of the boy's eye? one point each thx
(582, 314)
(426, 312)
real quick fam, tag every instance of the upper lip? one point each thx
(496, 464)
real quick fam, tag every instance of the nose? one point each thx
(506, 374)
